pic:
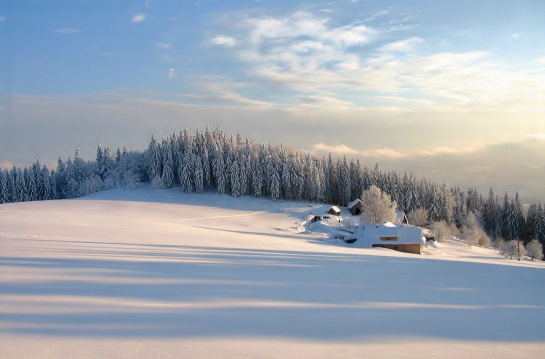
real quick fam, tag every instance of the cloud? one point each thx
(402, 46)
(223, 40)
(66, 30)
(171, 73)
(537, 136)
(162, 45)
(138, 18)
(341, 149)
(2, 18)
(337, 149)
(515, 36)
(6, 165)
(306, 55)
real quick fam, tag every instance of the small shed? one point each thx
(355, 207)
(334, 210)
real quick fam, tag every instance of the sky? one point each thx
(452, 91)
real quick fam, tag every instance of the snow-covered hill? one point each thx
(148, 273)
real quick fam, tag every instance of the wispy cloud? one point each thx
(223, 40)
(537, 136)
(515, 36)
(2, 18)
(138, 18)
(317, 58)
(336, 149)
(66, 30)
(407, 45)
(162, 45)
(171, 73)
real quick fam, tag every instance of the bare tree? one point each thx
(419, 217)
(473, 234)
(534, 249)
(512, 249)
(377, 206)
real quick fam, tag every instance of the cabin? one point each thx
(334, 210)
(402, 238)
(355, 207)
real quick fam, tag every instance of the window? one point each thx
(388, 238)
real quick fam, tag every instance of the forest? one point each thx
(228, 164)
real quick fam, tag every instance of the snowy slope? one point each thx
(148, 273)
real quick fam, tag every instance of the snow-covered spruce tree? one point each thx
(275, 185)
(46, 184)
(377, 206)
(30, 184)
(198, 174)
(155, 159)
(236, 183)
(4, 195)
(218, 170)
(257, 175)
(539, 228)
(186, 173)
(534, 249)
(168, 164)
(345, 183)
(492, 215)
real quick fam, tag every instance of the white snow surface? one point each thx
(158, 273)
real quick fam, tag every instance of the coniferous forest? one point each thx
(227, 164)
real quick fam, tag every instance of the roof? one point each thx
(353, 203)
(335, 209)
(371, 233)
(400, 217)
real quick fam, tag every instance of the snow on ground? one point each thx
(148, 273)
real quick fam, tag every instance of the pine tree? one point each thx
(345, 190)
(186, 173)
(4, 195)
(275, 186)
(167, 176)
(155, 160)
(198, 177)
(540, 224)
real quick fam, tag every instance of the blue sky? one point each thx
(451, 90)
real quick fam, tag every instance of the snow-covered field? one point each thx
(160, 274)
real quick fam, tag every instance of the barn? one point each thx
(334, 210)
(403, 238)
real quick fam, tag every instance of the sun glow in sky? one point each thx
(448, 90)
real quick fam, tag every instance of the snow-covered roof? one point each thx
(353, 203)
(400, 216)
(335, 209)
(389, 233)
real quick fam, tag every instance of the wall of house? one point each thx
(414, 248)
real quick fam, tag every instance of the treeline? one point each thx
(213, 160)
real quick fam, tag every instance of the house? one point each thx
(334, 210)
(355, 207)
(403, 238)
